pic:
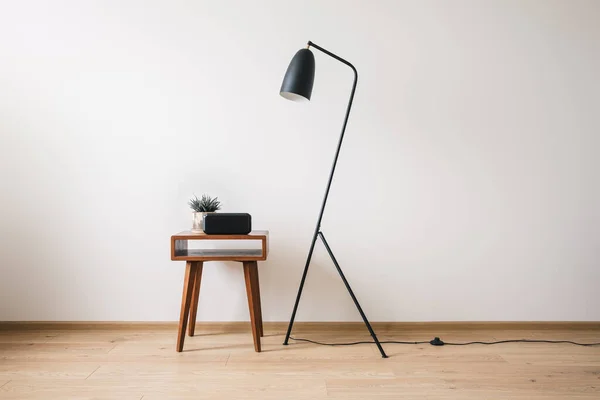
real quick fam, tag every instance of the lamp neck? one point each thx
(330, 54)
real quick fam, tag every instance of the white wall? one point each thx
(468, 187)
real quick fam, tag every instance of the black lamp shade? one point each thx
(298, 81)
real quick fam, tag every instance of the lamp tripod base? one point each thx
(339, 269)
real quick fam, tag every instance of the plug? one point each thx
(436, 342)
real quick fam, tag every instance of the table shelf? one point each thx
(181, 252)
(213, 254)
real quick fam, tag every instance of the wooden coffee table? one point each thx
(195, 259)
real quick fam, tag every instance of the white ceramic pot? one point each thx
(198, 221)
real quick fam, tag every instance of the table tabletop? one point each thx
(189, 235)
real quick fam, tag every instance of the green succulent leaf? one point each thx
(205, 204)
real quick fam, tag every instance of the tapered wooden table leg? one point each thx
(258, 303)
(251, 277)
(195, 295)
(186, 298)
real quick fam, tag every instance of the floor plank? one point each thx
(125, 364)
(53, 370)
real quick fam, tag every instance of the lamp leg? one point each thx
(362, 314)
(310, 252)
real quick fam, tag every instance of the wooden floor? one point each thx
(141, 363)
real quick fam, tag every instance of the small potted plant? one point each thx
(201, 207)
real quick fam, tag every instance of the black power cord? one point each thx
(438, 342)
(350, 343)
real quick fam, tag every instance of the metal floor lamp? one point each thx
(297, 86)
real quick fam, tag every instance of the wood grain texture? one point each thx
(181, 252)
(256, 288)
(195, 297)
(186, 299)
(251, 278)
(203, 236)
(219, 255)
(139, 363)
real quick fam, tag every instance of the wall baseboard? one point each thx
(234, 326)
